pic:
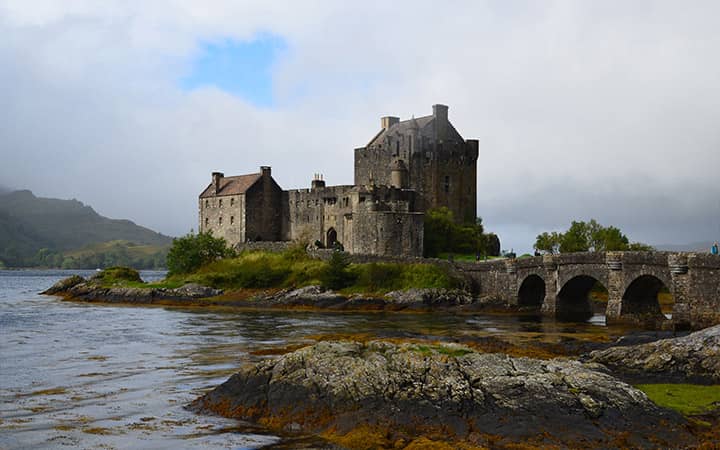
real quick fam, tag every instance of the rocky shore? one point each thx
(309, 297)
(691, 358)
(449, 394)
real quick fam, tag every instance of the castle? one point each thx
(407, 168)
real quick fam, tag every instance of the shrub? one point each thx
(336, 275)
(192, 251)
(118, 275)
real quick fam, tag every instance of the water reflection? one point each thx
(118, 377)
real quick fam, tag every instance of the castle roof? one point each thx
(413, 124)
(232, 185)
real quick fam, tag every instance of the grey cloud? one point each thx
(583, 109)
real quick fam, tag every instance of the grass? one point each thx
(264, 270)
(687, 399)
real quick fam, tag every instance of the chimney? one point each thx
(440, 113)
(216, 178)
(265, 170)
(318, 181)
(388, 121)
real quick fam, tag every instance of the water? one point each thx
(94, 376)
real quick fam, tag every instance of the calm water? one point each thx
(90, 376)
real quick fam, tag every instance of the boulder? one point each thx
(64, 285)
(695, 356)
(410, 390)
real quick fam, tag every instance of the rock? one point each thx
(692, 357)
(77, 288)
(408, 389)
(430, 297)
(64, 284)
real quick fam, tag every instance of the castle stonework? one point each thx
(407, 168)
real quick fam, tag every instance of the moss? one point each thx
(443, 350)
(687, 399)
(114, 276)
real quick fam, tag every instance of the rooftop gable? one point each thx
(232, 185)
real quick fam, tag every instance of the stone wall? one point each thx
(224, 217)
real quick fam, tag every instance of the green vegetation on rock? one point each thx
(118, 276)
(687, 399)
(293, 269)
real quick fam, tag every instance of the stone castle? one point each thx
(407, 168)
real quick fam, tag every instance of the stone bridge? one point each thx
(560, 285)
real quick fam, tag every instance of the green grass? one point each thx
(464, 256)
(259, 270)
(687, 399)
(449, 351)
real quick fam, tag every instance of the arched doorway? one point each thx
(331, 238)
(647, 297)
(574, 301)
(531, 292)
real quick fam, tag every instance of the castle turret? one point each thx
(399, 174)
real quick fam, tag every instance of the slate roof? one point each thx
(404, 127)
(232, 185)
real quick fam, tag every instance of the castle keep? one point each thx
(405, 169)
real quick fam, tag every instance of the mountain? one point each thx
(693, 247)
(29, 224)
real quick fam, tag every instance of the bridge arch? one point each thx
(532, 291)
(573, 302)
(641, 297)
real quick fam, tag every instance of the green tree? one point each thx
(192, 251)
(548, 242)
(336, 275)
(442, 234)
(587, 236)
(576, 238)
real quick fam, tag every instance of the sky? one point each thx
(583, 109)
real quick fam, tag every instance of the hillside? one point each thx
(29, 224)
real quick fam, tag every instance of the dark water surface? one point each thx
(75, 375)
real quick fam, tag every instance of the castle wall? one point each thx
(263, 212)
(311, 213)
(224, 217)
(387, 233)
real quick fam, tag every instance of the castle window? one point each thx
(410, 143)
(219, 220)
(362, 199)
(220, 204)
(447, 183)
(232, 202)
(207, 203)
(232, 220)
(207, 222)
(397, 147)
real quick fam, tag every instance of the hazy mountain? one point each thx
(29, 223)
(693, 247)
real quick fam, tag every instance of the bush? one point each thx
(336, 275)
(190, 252)
(118, 275)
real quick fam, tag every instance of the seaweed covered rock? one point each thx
(409, 390)
(695, 356)
(64, 285)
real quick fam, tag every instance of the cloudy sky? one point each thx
(606, 110)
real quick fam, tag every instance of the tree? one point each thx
(587, 236)
(548, 242)
(192, 251)
(336, 275)
(442, 234)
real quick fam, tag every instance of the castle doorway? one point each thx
(331, 238)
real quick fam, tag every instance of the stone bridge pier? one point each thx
(560, 285)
